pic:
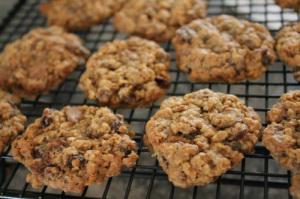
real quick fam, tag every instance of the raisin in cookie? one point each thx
(201, 135)
(288, 47)
(223, 49)
(295, 188)
(282, 135)
(295, 4)
(75, 147)
(11, 119)
(158, 19)
(127, 73)
(79, 14)
(40, 61)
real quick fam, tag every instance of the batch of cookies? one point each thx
(196, 137)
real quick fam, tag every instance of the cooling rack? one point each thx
(258, 176)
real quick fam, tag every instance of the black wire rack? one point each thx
(258, 176)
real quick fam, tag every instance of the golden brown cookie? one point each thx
(11, 119)
(223, 49)
(288, 47)
(127, 73)
(79, 14)
(295, 188)
(198, 137)
(75, 147)
(282, 135)
(295, 4)
(158, 19)
(40, 61)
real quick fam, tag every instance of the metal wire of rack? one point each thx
(258, 176)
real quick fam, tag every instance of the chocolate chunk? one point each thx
(127, 153)
(116, 125)
(297, 128)
(190, 136)
(35, 153)
(46, 121)
(211, 164)
(266, 59)
(297, 74)
(161, 82)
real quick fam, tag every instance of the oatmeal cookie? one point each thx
(79, 14)
(223, 49)
(158, 19)
(127, 73)
(75, 147)
(40, 61)
(198, 137)
(282, 135)
(295, 4)
(288, 47)
(11, 119)
(295, 188)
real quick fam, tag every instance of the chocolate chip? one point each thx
(179, 133)
(190, 136)
(239, 136)
(266, 59)
(127, 153)
(165, 161)
(35, 153)
(46, 121)
(116, 125)
(284, 154)
(93, 134)
(297, 74)
(205, 39)
(161, 82)
(297, 128)
(211, 164)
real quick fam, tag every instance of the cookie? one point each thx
(11, 119)
(75, 147)
(295, 188)
(295, 4)
(127, 73)
(158, 19)
(198, 137)
(288, 47)
(223, 49)
(78, 14)
(281, 137)
(40, 61)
